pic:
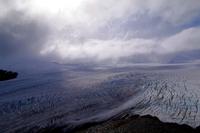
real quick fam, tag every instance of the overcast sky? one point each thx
(99, 30)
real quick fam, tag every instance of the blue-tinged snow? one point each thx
(64, 94)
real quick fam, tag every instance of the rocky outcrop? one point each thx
(7, 75)
(138, 124)
(127, 124)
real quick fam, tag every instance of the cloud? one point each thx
(115, 50)
(100, 12)
(98, 50)
(98, 30)
(186, 40)
(20, 33)
(91, 17)
(175, 12)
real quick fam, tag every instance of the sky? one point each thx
(100, 31)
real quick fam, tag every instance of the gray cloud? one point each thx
(188, 39)
(116, 49)
(21, 34)
(97, 30)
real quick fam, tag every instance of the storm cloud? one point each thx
(99, 31)
(20, 34)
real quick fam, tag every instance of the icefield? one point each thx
(72, 95)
